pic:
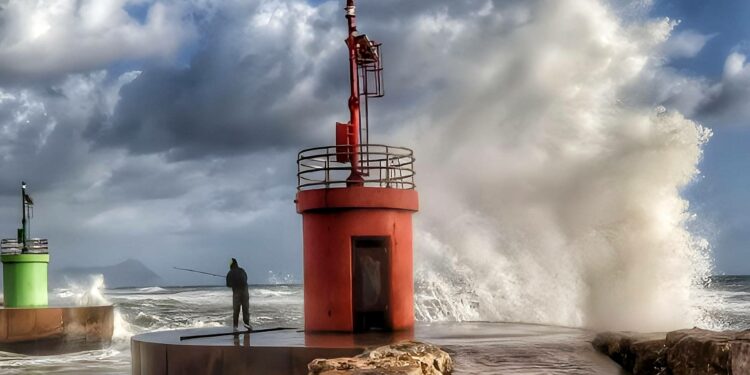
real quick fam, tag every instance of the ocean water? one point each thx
(156, 308)
(727, 302)
(525, 348)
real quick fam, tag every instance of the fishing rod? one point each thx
(196, 271)
(235, 333)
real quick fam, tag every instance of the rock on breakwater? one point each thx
(403, 358)
(689, 351)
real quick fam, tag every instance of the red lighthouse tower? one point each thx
(357, 201)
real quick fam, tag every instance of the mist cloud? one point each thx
(571, 212)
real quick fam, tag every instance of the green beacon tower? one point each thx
(25, 261)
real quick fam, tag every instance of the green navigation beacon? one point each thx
(25, 261)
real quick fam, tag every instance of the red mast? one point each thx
(355, 177)
(366, 81)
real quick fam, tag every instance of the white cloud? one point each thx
(685, 44)
(43, 38)
(727, 102)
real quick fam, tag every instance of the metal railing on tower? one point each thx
(381, 166)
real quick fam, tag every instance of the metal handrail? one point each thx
(33, 246)
(380, 166)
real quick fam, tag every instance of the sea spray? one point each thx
(277, 278)
(549, 193)
(81, 292)
(78, 293)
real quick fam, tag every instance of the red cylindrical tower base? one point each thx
(358, 258)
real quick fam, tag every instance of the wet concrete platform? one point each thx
(275, 352)
(55, 330)
(476, 348)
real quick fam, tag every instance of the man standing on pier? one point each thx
(237, 280)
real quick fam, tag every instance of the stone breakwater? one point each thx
(689, 351)
(403, 358)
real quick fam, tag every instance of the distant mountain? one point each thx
(130, 273)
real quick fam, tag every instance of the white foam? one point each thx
(83, 294)
(92, 294)
(122, 329)
(153, 289)
(552, 193)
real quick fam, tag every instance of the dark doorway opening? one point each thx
(371, 282)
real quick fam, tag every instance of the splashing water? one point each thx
(122, 329)
(275, 278)
(78, 293)
(152, 309)
(84, 294)
(556, 199)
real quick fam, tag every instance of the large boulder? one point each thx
(403, 358)
(684, 352)
(639, 353)
(699, 351)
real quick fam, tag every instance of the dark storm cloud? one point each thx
(728, 101)
(270, 81)
(146, 179)
(718, 103)
(194, 113)
(41, 131)
(250, 88)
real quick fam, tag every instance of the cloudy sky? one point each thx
(167, 131)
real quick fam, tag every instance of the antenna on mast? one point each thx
(26, 204)
(366, 81)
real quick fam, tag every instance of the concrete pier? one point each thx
(476, 348)
(278, 352)
(55, 330)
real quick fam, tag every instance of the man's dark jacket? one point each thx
(237, 279)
